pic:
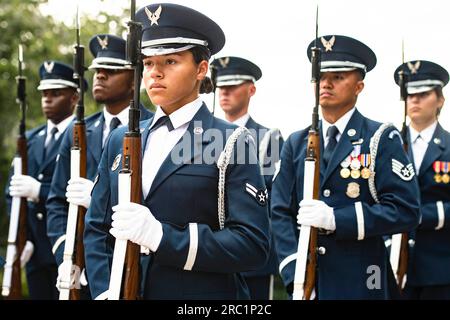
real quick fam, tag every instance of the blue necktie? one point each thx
(163, 121)
(332, 142)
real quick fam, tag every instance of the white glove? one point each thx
(27, 252)
(317, 214)
(25, 186)
(78, 191)
(74, 282)
(135, 222)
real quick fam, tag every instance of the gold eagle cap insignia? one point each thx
(153, 17)
(328, 44)
(414, 67)
(224, 62)
(48, 65)
(103, 42)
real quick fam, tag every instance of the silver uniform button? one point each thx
(321, 250)
(39, 216)
(40, 176)
(411, 242)
(326, 193)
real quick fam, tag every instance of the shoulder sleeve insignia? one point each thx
(116, 162)
(260, 195)
(395, 133)
(405, 172)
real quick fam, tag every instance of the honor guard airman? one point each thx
(204, 215)
(429, 148)
(236, 78)
(113, 88)
(367, 185)
(59, 97)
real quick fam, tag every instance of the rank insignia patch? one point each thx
(405, 172)
(260, 196)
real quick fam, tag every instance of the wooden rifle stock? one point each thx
(16, 277)
(17, 235)
(125, 269)
(74, 247)
(401, 266)
(306, 262)
(79, 139)
(311, 265)
(132, 164)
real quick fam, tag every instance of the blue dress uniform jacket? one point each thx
(356, 249)
(40, 166)
(429, 261)
(183, 197)
(255, 128)
(57, 206)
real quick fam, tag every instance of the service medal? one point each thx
(355, 164)
(346, 162)
(355, 174)
(445, 176)
(365, 173)
(353, 190)
(437, 170)
(356, 151)
(345, 173)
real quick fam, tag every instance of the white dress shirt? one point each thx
(419, 143)
(340, 125)
(161, 141)
(242, 121)
(122, 116)
(62, 126)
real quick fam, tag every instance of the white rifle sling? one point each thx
(65, 281)
(11, 251)
(374, 142)
(222, 164)
(120, 246)
(394, 257)
(264, 145)
(304, 236)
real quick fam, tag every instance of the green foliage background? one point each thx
(43, 38)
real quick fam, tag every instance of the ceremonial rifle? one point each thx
(124, 281)
(306, 263)
(399, 242)
(74, 248)
(17, 234)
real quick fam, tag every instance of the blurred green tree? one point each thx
(43, 38)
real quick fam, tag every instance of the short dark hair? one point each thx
(439, 95)
(201, 53)
(362, 74)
